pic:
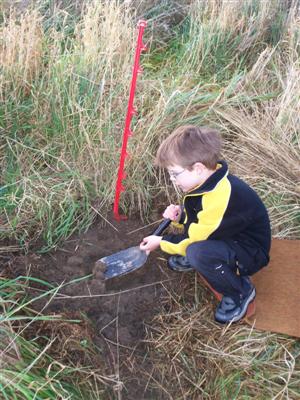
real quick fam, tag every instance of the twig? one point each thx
(145, 226)
(61, 296)
(109, 223)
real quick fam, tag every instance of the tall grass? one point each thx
(62, 114)
(247, 88)
(64, 87)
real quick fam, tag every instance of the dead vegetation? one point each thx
(196, 358)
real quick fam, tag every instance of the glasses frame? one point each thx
(174, 175)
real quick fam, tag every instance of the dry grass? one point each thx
(195, 358)
(63, 144)
(21, 40)
(263, 140)
(105, 37)
(269, 165)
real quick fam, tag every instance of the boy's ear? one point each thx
(198, 167)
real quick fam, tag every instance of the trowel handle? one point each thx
(162, 226)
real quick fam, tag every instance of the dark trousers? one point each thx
(218, 262)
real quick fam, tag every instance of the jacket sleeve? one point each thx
(214, 205)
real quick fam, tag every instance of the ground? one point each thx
(113, 317)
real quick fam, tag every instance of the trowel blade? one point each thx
(123, 262)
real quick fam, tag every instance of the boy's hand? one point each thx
(150, 243)
(173, 212)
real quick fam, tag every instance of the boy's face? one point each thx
(186, 179)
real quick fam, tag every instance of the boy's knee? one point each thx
(206, 255)
(197, 255)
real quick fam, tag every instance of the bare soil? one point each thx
(114, 314)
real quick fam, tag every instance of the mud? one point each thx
(118, 309)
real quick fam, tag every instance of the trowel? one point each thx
(127, 260)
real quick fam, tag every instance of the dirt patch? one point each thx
(118, 310)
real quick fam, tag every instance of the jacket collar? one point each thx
(212, 181)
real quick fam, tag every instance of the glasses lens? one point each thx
(174, 175)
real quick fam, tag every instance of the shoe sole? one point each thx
(243, 311)
(180, 269)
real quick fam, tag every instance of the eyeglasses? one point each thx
(174, 174)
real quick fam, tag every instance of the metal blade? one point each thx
(123, 262)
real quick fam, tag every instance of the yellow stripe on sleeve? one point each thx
(214, 205)
(175, 248)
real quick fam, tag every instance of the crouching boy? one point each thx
(226, 229)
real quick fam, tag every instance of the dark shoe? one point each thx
(179, 264)
(229, 311)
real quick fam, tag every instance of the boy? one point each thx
(226, 234)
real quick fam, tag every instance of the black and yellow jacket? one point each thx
(223, 208)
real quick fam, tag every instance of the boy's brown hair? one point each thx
(189, 144)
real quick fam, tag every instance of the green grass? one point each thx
(27, 369)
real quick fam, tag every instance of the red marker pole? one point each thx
(130, 112)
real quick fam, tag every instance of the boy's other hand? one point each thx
(150, 243)
(173, 212)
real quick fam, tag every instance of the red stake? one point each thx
(130, 112)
